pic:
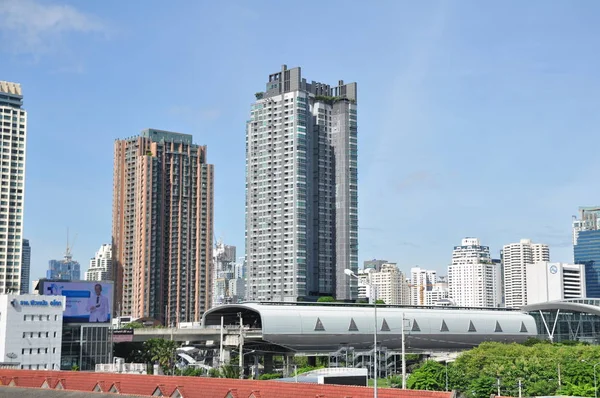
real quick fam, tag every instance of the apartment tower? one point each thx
(13, 141)
(301, 190)
(474, 280)
(515, 259)
(421, 282)
(100, 265)
(162, 227)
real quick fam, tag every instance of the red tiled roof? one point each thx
(191, 387)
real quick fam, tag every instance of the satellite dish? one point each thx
(11, 355)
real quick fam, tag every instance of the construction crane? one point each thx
(422, 287)
(69, 250)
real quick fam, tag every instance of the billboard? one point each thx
(86, 302)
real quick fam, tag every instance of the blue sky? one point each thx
(475, 118)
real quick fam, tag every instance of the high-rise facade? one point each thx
(421, 282)
(515, 259)
(587, 252)
(548, 281)
(223, 272)
(25, 266)
(66, 269)
(374, 264)
(301, 190)
(390, 285)
(589, 220)
(100, 265)
(162, 227)
(13, 120)
(474, 280)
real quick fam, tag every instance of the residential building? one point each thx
(515, 259)
(162, 227)
(589, 220)
(101, 265)
(66, 269)
(438, 293)
(473, 279)
(13, 141)
(391, 286)
(31, 330)
(237, 290)
(587, 252)
(374, 264)
(25, 266)
(223, 272)
(421, 282)
(364, 283)
(301, 190)
(548, 281)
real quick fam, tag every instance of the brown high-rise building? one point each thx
(162, 227)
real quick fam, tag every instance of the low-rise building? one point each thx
(31, 330)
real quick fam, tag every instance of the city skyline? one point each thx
(462, 91)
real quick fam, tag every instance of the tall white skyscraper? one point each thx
(421, 281)
(301, 190)
(13, 141)
(101, 265)
(515, 258)
(473, 279)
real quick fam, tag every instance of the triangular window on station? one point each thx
(472, 327)
(523, 327)
(384, 326)
(415, 327)
(498, 328)
(319, 326)
(444, 327)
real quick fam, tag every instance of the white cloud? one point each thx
(31, 26)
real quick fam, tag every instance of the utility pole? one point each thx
(403, 356)
(520, 389)
(498, 383)
(241, 357)
(221, 344)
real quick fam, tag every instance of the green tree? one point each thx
(161, 351)
(430, 376)
(229, 372)
(379, 301)
(133, 325)
(326, 299)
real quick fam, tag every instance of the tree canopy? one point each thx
(537, 364)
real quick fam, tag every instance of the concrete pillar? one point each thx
(268, 364)
(287, 365)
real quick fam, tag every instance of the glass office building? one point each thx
(587, 252)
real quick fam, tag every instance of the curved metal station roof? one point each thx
(323, 327)
(583, 305)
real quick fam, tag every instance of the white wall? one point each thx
(548, 281)
(33, 331)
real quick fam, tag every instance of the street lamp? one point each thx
(595, 381)
(371, 286)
